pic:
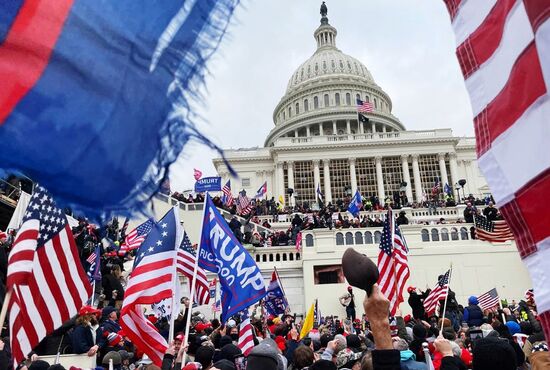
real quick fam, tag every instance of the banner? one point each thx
(208, 184)
(240, 279)
(275, 302)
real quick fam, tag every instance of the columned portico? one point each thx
(407, 176)
(416, 176)
(380, 179)
(443, 170)
(290, 170)
(326, 176)
(353, 176)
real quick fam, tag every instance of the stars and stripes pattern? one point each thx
(134, 239)
(262, 191)
(47, 280)
(227, 198)
(244, 206)
(94, 268)
(246, 337)
(489, 300)
(186, 266)
(503, 49)
(437, 187)
(393, 263)
(151, 281)
(364, 106)
(439, 292)
(492, 231)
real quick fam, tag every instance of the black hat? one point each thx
(204, 356)
(229, 352)
(323, 365)
(419, 331)
(353, 341)
(359, 270)
(39, 365)
(494, 354)
(224, 365)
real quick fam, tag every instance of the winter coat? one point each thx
(408, 361)
(473, 314)
(82, 339)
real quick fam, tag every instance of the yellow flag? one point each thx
(308, 322)
(281, 200)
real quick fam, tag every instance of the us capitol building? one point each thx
(317, 140)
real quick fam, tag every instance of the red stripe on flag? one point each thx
(41, 306)
(69, 280)
(524, 87)
(538, 11)
(50, 272)
(27, 48)
(452, 7)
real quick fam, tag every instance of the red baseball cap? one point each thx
(89, 310)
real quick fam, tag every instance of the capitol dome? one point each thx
(321, 95)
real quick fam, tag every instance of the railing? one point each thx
(9, 194)
(283, 256)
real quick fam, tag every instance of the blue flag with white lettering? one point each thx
(241, 280)
(275, 302)
(356, 204)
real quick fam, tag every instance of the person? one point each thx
(469, 213)
(416, 301)
(490, 212)
(82, 336)
(408, 358)
(112, 286)
(473, 315)
(402, 219)
(347, 300)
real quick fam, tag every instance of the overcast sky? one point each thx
(407, 45)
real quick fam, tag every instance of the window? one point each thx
(309, 240)
(454, 233)
(348, 99)
(425, 235)
(337, 99)
(367, 99)
(429, 172)
(358, 97)
(444, 234)
(375, 104)
(365, 170)
(377, 235)
(368, 237)
(289, 112)
(284, 257)
(339, 178)
(297, 109)
(463, 233)
(331, 274)
(358, 237)
(277, 257)
(315, 102)
(349, 238)
(392, 171)
(306, 105)
(245, 182)
(304, 181)
(284, 115)
(339, 239)
(435, 235)
(326, 100)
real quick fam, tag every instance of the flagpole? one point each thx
(193, 283)
(446, 298)
(281, 285)
(501, 309)
(175, 273)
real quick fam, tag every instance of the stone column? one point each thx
(416, 175)
(407, 176)
(380, 180)
(280, 181)
(373, 125)
(326, 176)
(295, 133)
(334, 128)
(348, 127)
(316, 175)
(443, 170)
(308, 131)
(361, 128)
(290, 170)
(321, 129)
(353, 175)
(454, 174)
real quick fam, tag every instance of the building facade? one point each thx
(317, 140)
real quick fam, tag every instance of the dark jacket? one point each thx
(452, 363)
(386, 359)
(473, 314)
(82, 339)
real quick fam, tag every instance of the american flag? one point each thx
(439, 292)
(529, 296)
(364, 106)
(393, 263)
(492, 231)
(186, 267)
(137, 236)
(437, 187)
(151, 281)
(243, 204)
(47, 280)
(489, 300)
(217, 306)
(227, 198)
(246, 337)
(94, 269)
(503, 51)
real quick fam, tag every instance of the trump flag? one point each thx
(94, 98)
(241, 280)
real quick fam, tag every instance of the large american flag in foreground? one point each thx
(393, 263)
(186, 266)
(47, 281)
(246, 337)
(439, 292)
(489, 300)
(503, 49)
(492, 231)
(151, 281)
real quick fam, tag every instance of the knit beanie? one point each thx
(494, 354)
(419, 331)
(229, 352)
(262, 357)
(513, 327)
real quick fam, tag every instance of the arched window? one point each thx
(454, 233)
(326, 100)
(291, 256)
(367, 99)
(306, 106)
(358, 237)
(289, 112)
(284, 115)
(315, 102)
(297, 108)
(377, 235)
(339, 239)
(277, 257)
(358, 97)
(297, 256)
(309, 240)
(264, 258)
(270, 257)
(348, 99)
(337, 99)
(463, 233)
(368, 237)
(284, 257)
(425, 235)
(349, 238)
(257, 258)
(444, 234)
(375, 104)
(435, 235)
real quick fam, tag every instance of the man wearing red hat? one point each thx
(416, 301)
(83, 336)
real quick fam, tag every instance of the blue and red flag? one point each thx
(94, 98)
(262, 191)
